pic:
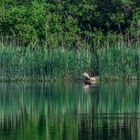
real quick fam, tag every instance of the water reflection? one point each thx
(69, 111)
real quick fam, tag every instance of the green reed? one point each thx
(119, 62)
(115, 57)
(42, 64)
(111, 63)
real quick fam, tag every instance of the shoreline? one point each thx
(68, 79)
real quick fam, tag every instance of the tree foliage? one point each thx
(67, 22)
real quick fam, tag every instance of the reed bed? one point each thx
(119, 62)
(42, 64)
(114, 58)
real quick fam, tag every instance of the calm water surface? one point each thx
(38, 111)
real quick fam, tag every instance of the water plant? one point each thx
(42, 64)
(112, 58)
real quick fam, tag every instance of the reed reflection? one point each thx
(64, 111)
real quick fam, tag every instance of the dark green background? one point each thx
(67, 23)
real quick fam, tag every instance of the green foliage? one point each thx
(93, 35)
(67, 23)
(25, 22)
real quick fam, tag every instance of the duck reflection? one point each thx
(86, 88)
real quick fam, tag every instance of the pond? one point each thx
(69, 111)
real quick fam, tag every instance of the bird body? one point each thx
(89, 80)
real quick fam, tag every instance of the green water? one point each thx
(108, 111)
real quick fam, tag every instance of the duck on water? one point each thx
(89, 80)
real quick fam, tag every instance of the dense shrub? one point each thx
(68, 23)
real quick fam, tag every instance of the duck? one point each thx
(89, 80)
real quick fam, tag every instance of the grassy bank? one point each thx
(109, 60)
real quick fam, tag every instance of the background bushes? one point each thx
(68, 23)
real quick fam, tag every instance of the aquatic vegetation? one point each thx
(42, 64)
(112, 59)
(119, 62)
